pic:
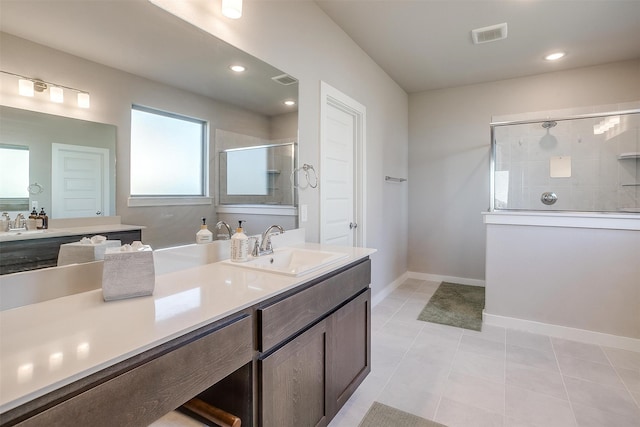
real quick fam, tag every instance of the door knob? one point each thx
(352, 225)
(99, 213)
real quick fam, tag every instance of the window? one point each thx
(14, 178)
(168, 156)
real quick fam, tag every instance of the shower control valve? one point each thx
(549, 198)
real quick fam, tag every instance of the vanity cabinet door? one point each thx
(293, 382)
(349, 355)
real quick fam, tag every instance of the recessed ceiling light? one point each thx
(289, 103)
(555, 56)
(232, 8)
(237, 68)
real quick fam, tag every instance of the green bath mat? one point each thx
(380, 415)
(455, 305)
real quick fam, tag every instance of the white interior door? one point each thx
(342, 165)
(79, 181)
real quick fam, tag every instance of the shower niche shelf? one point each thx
(632, 155)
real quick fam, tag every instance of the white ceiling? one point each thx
(426, 44)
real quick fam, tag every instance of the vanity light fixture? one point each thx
(232, 8)
(56, 94)
(25, 87)
(555, 56)
(84, 101)
(237, 68)
(28, 86)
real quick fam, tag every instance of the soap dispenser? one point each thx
(204, 235)
(45, 219)
(239, 245)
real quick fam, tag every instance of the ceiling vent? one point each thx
(285, 79)
(489, 34)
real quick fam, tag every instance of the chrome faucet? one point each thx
(221, 224)
(264, 247)
(18, 223)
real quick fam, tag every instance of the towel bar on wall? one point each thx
(393, 179)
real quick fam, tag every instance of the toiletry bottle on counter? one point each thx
(35, 222)
(204, 235)
(239, 245)
(45, 219)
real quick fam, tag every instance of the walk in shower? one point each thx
(583, 163)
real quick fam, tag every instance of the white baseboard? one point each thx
(582, 335)
(384, 292)
(450, 279)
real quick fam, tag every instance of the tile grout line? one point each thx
(564, 384)
(448, 375)
(504, 403)
(405, 353)
(615, 369)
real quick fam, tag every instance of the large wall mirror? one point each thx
(133, 52)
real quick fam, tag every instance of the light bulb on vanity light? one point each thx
(232, 8)
(84, 101)
(25, 87)
(56, 94)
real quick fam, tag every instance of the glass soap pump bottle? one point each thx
(45, 219)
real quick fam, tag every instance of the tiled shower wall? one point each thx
(600, 180)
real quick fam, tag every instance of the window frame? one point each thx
(139, 200)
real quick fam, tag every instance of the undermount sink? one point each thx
(291, 261)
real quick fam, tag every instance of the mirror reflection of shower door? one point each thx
(79, 180)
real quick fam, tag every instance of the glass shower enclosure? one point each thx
(584, 163)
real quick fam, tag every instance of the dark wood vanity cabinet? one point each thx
(31, 254)
(292, 360)
(308, 376)
(141, 389)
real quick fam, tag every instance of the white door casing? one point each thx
(342, 162)
(79, 181)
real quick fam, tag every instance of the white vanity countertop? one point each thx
(70, 231)
(47, 345)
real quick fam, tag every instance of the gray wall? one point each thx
(449, 152)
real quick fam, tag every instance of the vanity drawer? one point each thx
(144, 393)
(284, 318)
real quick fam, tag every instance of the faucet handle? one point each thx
(268, 247)
(255, 252)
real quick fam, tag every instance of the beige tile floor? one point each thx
(497, 377)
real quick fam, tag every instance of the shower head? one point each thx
(549, 124)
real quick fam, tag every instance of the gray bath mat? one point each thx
(455, 305)
(380, 415)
